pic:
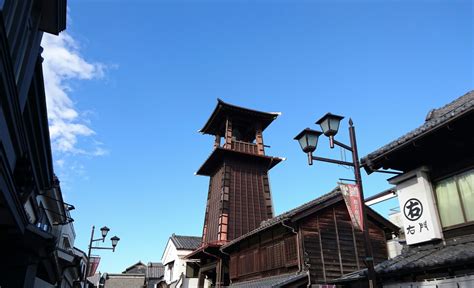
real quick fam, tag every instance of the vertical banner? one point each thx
(351, 195)
(93, 264)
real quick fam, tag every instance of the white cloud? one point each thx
(62, 64)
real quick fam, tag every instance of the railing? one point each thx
(245, 147)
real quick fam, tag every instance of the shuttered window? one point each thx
(276, 255)
(291, 255)
(233, 266)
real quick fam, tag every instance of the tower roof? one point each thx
(214, 124)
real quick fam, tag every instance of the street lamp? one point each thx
(330, 125)
(104, 230)
(114, 240)
(308, 140)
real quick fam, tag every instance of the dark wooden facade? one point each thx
(274, 252)
(334, 247)
(27, 238)
(318, 238)
(239, 195)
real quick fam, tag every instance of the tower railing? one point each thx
(245, 147)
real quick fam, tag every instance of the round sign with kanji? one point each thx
(413, 209)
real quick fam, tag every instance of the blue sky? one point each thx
(131, 82)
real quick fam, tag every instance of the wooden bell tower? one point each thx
(239, 197)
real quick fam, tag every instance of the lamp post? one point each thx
(104, 230)
(308, 140)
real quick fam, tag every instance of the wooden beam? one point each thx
(337, 241)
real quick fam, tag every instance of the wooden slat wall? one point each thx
(329, 243)
(213, 209)
(248, 203)
(239, 199)
(277, 256)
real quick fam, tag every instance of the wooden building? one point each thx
(314, 242)
(33, 217)
(239, 196)
(244, 244)
(435, 189)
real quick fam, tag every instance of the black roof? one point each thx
(155, 270)
(138, 267)
(214, 124)
(186, 242)
(272, 281)
(435, 119)
(422, 259)
(456, 251)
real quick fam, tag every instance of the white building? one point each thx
(180, 272)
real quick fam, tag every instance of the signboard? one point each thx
(93, 264)
(417, 207)
(354, 205)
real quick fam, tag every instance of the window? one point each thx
(192, 270)
(43, 221)
(455, 196)
(66, 243)
(170, 269)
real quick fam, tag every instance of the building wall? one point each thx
(455, 282)
(213, 207)
(329, 241)
(249, 197)
(273, 253)
(124, 281)
(239, 200)
(26, 168)
(326, 244)
(179, 265)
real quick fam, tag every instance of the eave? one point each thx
(208, 250)
(214, 124)
(53, 16)
(444, 138)
(220, 154)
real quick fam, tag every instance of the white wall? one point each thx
(172, 254)
(456, 282)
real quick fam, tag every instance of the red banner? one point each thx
(93, 264)
(354, 204)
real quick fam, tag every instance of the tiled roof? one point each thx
(138, 267)
(186, 242)
(155, 270)
(273, 281)
(275, 220)
(435, 119)
(425, 257)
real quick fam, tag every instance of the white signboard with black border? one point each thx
(417, 207)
